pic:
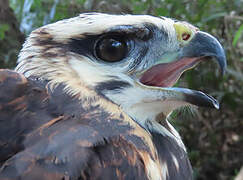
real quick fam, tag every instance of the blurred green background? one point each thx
(214, 138)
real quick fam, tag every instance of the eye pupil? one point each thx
(186, 36)
(111, 49)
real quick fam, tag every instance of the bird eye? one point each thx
(111, 48)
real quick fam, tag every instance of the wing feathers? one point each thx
(49, 135)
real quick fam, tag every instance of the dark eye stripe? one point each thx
(125, 37)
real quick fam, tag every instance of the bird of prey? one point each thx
(90, 97)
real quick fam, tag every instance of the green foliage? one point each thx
(35, 13)
(3, 29)
(238, 35)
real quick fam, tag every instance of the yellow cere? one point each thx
(184, 33)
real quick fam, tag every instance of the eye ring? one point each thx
(111, 48)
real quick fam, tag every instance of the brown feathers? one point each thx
(51, 135)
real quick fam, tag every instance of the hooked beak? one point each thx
(165, 75)
(205, 45)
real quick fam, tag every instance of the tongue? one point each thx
(166, 75)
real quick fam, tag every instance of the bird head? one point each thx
(131, 60)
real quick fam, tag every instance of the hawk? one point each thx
(90, 97)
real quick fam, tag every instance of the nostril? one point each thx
(186, 36)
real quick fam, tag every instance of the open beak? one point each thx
(165, 75)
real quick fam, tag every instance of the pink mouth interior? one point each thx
(166, 75)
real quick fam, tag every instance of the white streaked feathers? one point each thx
(99, 23)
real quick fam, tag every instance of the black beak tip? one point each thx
(201, 99)
(214, 102)
(220, 56)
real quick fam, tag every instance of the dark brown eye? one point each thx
(111, 49)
